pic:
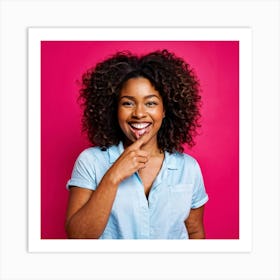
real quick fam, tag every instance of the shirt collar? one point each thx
(115, 151)
(170, 160)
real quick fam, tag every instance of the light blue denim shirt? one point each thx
(177, 188)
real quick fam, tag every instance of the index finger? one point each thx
(142, 140)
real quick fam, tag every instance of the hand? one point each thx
(131, 160)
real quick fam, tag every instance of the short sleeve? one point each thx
(200, 196)
(83, 174)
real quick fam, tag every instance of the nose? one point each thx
(139, 111)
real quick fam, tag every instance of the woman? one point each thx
(136, 183)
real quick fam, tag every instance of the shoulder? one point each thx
(92, 154)
(182, 159)
(184, 164)
(101, 156)
(184, 169)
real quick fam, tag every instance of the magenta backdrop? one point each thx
(217, 147)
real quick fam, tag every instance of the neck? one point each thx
(153, 149)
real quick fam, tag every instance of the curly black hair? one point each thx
(170, 75)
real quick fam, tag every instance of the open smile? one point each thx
(139, 129)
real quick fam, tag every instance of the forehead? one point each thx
(138, 87)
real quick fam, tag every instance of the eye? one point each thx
(127, 103)
(151, 103)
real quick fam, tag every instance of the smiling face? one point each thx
(140, 110)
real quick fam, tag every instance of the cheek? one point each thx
(122, 117)
(158, 115)
(120, 114)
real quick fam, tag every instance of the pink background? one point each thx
(217, 147)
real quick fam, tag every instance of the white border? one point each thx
(243, 35)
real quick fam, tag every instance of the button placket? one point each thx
(144, 214)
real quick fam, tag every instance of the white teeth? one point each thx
(139, 125)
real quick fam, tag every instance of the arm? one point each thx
(88, 211)
(194, 223)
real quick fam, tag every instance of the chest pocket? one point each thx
(180, 199)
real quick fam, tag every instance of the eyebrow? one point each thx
(146, 97)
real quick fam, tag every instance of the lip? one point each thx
(139, 128)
